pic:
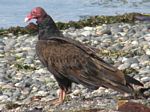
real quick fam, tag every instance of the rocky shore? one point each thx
(26, 86)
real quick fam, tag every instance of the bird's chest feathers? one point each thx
(52, 52)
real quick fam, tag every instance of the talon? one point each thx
(59, 100)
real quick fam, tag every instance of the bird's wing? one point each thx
(75, 64)
(89, 50)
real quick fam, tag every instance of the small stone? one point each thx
(20, 55)
(76, 92)
(144, 59)
(116, 29)
(147, 51)
(7, 92)
(88, 28)
(131, 60)
(135, 43)
(145, 79)
(3, 98)
(147, 37)
(124, 66)
(104, 31)
(2, 71)
(10, 58)
(28, 61)
(117, 46)
(41, 93)
(73, 34)
(25, 91)
(9, 44)
(86, 33)
(2, 106)
(20, 84)
(1, 51)
(31, 52)
(135, 66)
(16, 93)
(124, 59)
(34, 89)
(144, 71)
(2, 43)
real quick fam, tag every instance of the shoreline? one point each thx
(90, 21)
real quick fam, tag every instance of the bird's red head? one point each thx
(36, 13)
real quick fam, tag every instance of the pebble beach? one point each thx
(26, 86)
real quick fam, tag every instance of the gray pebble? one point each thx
(145, 79)
(9, 44)
(124, 66)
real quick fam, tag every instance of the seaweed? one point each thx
(87, 21)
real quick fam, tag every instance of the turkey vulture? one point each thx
(71, 61)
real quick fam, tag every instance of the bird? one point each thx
(71, 61)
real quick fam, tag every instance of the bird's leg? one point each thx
(60, 99)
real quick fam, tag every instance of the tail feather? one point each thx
(131, 80)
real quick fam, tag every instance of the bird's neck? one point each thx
(48, 29)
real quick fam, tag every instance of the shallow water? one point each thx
(13, 12)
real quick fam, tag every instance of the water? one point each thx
(13, 12)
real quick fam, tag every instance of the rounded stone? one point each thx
(4, 98)
(147, 37)
(41, 93)
(9, 44)
(145, 79)
(135, 66)
(86, 33)
(148, 52)
(124, 66)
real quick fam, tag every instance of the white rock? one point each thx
(86, 33)
(41, 93)
(145, 79)
(76, 92)
(148, 51)
(135, 66)
(124, 59)
(2, 106)
(88, 28)
(135, 43)
(94, 42)
(147, 37)
(74, 34)
(34, 89)
(3, 98)
(41, 71)
(124, 66)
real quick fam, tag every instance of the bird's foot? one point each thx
(55, 102)
(60, 99)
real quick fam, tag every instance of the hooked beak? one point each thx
(28, 18)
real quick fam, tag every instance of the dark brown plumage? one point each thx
(71, 61)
